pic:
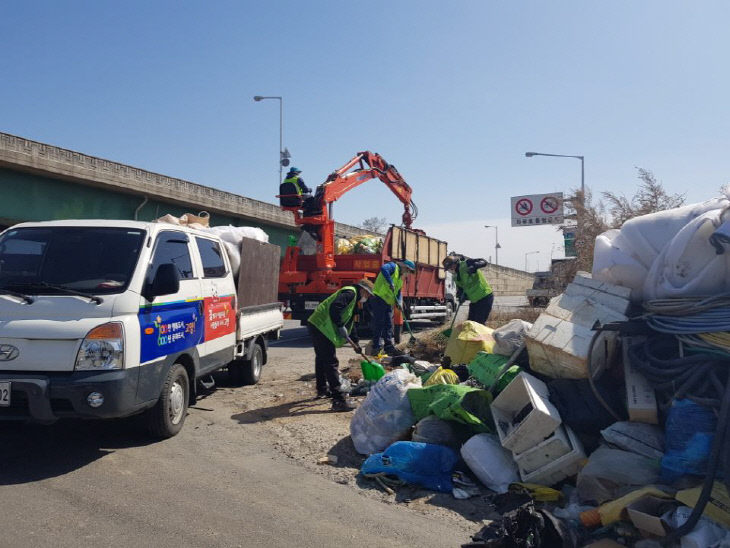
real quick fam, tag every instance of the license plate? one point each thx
(310, 305)
(4, 394)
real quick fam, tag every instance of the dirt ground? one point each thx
(282, 408)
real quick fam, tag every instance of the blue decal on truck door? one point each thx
(169, 328)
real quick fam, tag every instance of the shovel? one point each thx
(447, 332)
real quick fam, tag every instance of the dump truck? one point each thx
(310, 273)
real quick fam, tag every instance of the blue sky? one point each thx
(452, 93)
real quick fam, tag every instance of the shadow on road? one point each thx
(307, 406)
(32, 453)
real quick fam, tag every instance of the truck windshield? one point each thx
(84, 259)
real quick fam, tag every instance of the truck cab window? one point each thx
(172, 247)
(212, 256)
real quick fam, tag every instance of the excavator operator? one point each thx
(293, 191)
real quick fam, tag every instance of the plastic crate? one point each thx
(562, 468)
(527, 396)
(545, 452)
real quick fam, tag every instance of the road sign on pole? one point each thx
(537, 209)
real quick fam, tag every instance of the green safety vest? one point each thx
(382, 288)
(474, 285)
(320, 318)
(295, 181)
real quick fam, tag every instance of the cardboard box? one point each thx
(646, 514)
(641, 400)
(718, 507)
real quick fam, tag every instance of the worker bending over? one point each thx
(387, 293)
(472, 285)
(330, 327)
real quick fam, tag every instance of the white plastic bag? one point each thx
(705, 533)
(490, 462)
(510, 336)
(385, 415)
(646, 440)
(231, 236)
(608, 470)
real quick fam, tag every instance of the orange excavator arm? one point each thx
(318, 220)
(362, 168)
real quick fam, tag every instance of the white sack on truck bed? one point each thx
(232, 236)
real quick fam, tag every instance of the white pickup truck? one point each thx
(106, 319)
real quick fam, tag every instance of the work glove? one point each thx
(342, 332)
(354, 338)
(472, 269)
(358, 348)
(392, 287)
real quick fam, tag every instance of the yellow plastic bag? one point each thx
(343, 246)
(467, 339)
(442, 376)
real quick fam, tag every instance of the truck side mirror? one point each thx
(165, 282)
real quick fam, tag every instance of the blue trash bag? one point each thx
(423, 464)
(688, 434)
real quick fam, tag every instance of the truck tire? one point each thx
(167, 417)
(449, 310)
(242, 372)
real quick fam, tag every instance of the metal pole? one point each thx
(281, 137)
(496, 245)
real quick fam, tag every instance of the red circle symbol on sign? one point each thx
(549, 204)
(523, 207)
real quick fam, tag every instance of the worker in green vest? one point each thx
(472, 286)
(293, 192)
(386, 295)
(330, 327)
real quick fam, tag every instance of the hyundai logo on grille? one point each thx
(8, 352)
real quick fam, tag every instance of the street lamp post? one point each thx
(526, 254)
(281, 129)
(582, 166)
(497, 247)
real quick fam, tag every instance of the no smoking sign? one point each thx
(537, 209)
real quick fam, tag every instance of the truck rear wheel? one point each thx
(242, 372)
(167, 417)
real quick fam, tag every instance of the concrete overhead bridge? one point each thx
(44, 182)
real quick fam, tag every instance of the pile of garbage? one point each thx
(604, 423)
(359, 245)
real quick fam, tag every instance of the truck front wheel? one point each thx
(167, 417)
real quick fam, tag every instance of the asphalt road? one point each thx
(220, 483)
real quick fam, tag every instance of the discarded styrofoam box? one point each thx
(561, 468)
(559, 340)
(545, 452)
(540, 422)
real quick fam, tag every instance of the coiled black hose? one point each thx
(702, 377)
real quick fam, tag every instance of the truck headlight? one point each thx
(103, 348)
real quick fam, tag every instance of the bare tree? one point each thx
(650, 197)
(595, 218)
(377, 225)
